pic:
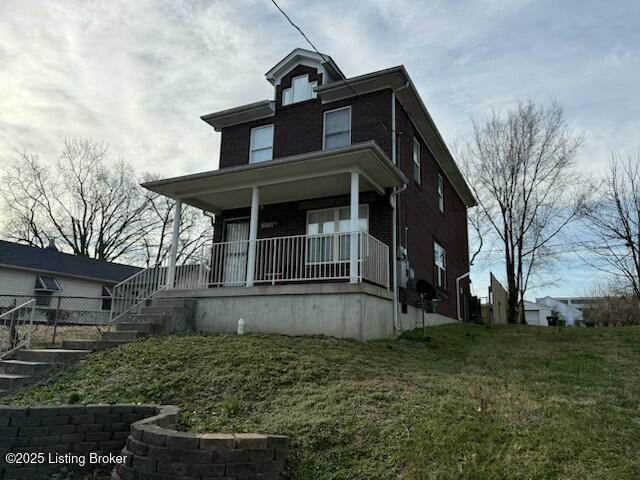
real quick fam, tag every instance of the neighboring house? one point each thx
(537, 314)
(580, 303)
(318, 190)
(571, 315)
(498, 304)
(57, 280)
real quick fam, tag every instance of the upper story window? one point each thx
(440, 265)
(440, 193)
(261, 148)
(417, 170)
(301, 89)
(337, 128)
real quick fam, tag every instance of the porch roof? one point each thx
(315, 174)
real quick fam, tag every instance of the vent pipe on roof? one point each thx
(52, 245)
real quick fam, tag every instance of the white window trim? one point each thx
(443, 268)
(44, 288)
(336, 219)
(440, 193)
(270, 125)
(417, 162)
(324, 124)
(311, 84)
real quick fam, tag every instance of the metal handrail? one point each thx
(13, 328)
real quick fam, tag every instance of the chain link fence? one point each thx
(59, 318)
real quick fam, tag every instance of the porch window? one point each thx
(329, 228)
(417, 169)
(261, 148)
(440, 265)
(301, 89)
(440, 193)
(337, 128)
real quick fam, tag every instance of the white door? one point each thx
(235, 258)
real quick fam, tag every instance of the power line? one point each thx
(324, 57)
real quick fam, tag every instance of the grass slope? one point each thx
(471, 403)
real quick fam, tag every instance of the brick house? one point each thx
(318, 190)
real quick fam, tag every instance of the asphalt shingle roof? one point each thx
(50, 260)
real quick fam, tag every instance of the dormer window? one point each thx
(301, 89)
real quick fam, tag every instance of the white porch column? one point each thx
(253, 236)
(175, 236)
(354, 228)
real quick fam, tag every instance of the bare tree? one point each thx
(91, 209)
(520, 167)
(612, 217)
(195, 230)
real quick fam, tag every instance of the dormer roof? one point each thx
(300, 56)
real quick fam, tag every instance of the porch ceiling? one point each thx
(299, 177)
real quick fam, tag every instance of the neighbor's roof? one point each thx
(51, 261)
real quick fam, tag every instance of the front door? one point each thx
(235, 259)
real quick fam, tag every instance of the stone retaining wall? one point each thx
(153, 449)
(78, 430)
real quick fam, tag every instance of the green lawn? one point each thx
(472, 402)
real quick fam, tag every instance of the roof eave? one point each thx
(242, 114)
(396, 79)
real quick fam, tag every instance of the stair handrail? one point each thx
(157, 281)
(14, 343)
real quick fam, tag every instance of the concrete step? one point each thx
(140, 327)
(92, 344)
(167, 302)
(11, 381)
(22, 367)
(124, 335)
(162, 309)
(148, 317)
(57, 356)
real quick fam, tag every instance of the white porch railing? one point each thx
(297, 258)
(134, 292)
(300, 258)
(16, 326)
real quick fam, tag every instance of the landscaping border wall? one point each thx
(145, 438)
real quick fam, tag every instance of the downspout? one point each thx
(464, 275)
(394, 214)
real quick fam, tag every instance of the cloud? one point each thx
(139, 74)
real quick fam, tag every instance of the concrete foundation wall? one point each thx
(413, 319)
(359, 311)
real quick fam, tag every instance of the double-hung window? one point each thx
(440, 193)
(328, 230)
(261, 148)
(440, 265)
(301, 89)
(337, 128)
(417, 170)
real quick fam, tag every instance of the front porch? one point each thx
(308, 238)
(321, 250)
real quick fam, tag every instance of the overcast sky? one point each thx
(138, 74)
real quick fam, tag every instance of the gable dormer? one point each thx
(297, 75)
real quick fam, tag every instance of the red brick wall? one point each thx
(291, 218)
(419, 211)
(298, 127)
